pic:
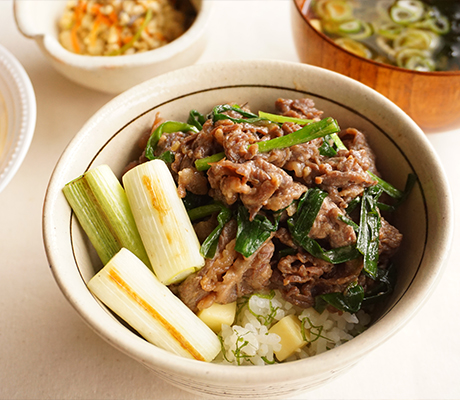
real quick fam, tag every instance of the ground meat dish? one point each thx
(268, 184)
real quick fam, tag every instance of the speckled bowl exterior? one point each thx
(37, 19)
(111, 135)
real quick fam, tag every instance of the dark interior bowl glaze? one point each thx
(431, 99)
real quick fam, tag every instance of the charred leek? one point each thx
(102, 209)
(129, 289)
(164, 226)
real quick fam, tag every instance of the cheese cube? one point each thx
(218, 314)
(290, 331)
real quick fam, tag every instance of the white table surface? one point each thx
(47, 351)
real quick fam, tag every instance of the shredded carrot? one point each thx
(79, 11)
(73, 35)
(100, 19)
(126, 39)
(113, 17)
(119, 29)
(104, 19)
(159, 36)
(93, 33)
(95, 9)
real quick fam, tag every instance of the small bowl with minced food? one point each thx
(113, 45)
(247, 239)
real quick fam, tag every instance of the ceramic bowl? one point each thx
(401, 148)
(18, 113)
(37, 19)
(432, 99)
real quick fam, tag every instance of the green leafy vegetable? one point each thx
(205, 210)
(386, 280)
(309, 132)
(386, 187)
(307, 210)
(301, 223)
(410, 182)
(168, 157)
(369, 228)
(349, 222)
(349, 301)
(251, 235)
(196, 119)
(281, 118)
(203, 164)
(192, 200)
(326, 149)
(209, 246)
(165, 127)
(218, 114)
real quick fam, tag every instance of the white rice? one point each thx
(248, 342)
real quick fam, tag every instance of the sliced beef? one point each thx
(257, 183)
(237, 142)
(245, 276)
(389, 240)
(356, 142)
(191, 180)
(228, 275)
(301, 277)
(272, 181)
(328, 226)
(343, 178)
(299, 108)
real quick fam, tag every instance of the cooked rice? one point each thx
(248, 341)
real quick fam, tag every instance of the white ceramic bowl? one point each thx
(18, 112)
(37, 19)
(110, 137)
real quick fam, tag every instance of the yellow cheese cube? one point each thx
(218, 314)
(290, 331)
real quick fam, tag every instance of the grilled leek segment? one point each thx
(130, 289)
(102, 209)
(163, 223)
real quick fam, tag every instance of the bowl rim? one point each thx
(58, 52)
(21, 91)
(100, 320)
(366, 60)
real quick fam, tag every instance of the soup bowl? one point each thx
(111, 136)
(38, 20)
(431, 99)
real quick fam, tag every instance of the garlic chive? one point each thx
(314, 130)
